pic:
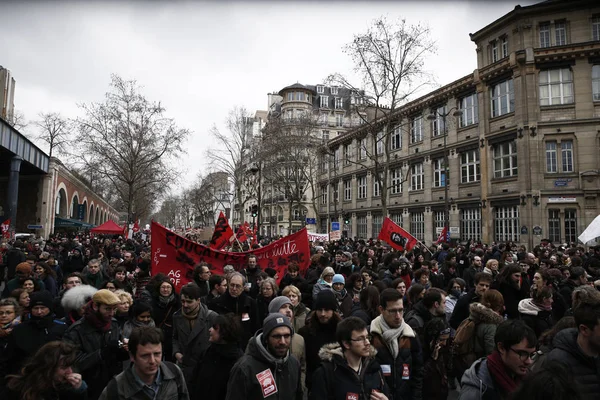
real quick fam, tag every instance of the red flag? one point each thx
(396, 237)
(241, 234)
(176, 256)
(444, 236)
(136, 226)
(5, 228)
(223, 234)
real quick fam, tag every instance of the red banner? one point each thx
(223, 234)
(176, 256)
(396, 237)
(5, 229)
(444, 236)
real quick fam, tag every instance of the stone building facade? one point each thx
(523, 150)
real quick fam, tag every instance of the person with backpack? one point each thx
(148, 376)
(474, 338)
(432, 305)
(349, 369)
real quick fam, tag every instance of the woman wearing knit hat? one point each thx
(343, 298)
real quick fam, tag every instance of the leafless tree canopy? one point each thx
(55, 130)
(17, 120)
(390, 60)
(128, 141)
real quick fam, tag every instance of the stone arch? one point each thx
(92, 214)
(74, 204)
(85, 209)
(97, 216)
(61, 202)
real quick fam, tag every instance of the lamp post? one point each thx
(455, 112)
(256, 169)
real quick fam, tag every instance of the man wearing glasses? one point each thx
(399, 352)
(267, 370)
(499, 374)
(349, 369)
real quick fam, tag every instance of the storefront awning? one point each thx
(71, 223)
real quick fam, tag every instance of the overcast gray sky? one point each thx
(202, 58)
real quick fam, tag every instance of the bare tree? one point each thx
(130, 142)
(389, 58)
(55, 131)
(233, 149)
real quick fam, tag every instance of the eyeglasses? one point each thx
(363, 339)
(523, 355)
(286, 336)
(6, 313)
(395, 311)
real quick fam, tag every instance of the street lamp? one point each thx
(254, 169)
(455, 112)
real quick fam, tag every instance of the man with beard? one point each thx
(579, 348)
(190, 329)
(471, 271)
(499, 374)
(251, 275)
(432, 305)
(398, 351)
(236, 301)
(267, 370)
(97, 336)
(129, 261)
(350, 370)
(319, 330)
(28, 337)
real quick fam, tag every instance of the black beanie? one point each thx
(41, 298)
(325, 300)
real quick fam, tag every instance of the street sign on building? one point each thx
(311, 221)
(335, 226)
(35, 226)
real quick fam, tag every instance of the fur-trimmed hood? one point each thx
(528, 307)
(77, 297)
(330, 350)
(481, 314)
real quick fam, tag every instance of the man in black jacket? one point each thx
(267, 370)
(98, 336)
(579, 349)
(461, 309)
(432, 305)
(236, 301)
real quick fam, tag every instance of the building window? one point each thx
(416, 177)
(324, 192)
(560, 33)
(376, 187)
(439, 221)
(339, 120)
(397, 218)
(495, 51)
(505, 159)
(362, 187)
(361, 226)
(545, 35)
(566, 149)
(320, 89)
(339, 104)
(551, 163)
(324, 101)
(336, 158)
(324, 163)
(596, 82)
(504, 47)
(379, 143)
(571, 226)
(469, 166)
(417, 225)
(596, 28)
(439, 173)
(470, 224)
(556, 86)
(506, 224)
(469, 107)
(334, 90)
(347, 190)
(503, 98)
(554, 225)
(396, 180)
(439, 126)
(347, 154)
(376, 222)
(290, 96)
(416, 129)
(362, 149)
(325, 136)
(396, 139)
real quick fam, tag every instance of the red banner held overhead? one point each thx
(176, 256)
(444, 236)
(223, 234)
(396, 237)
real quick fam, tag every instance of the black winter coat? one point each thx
(282, 375)
(585, 369)
(461, 309)
(512, 296)
(314, 339)
(162, 314)
(409, 361)
(209, 379)
(97, 369)
(243, 306)
(345, 380)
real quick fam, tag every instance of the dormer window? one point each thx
(320, 89)
(334, 90)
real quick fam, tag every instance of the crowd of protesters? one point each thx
(85, 318)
